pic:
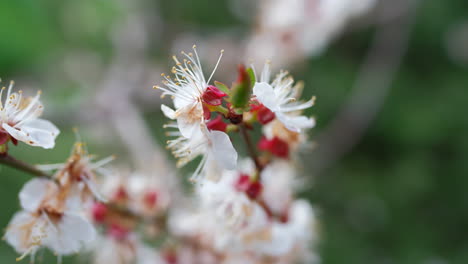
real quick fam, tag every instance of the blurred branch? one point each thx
(372, 85)
(22, 166)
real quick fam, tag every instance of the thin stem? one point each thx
(20, 165)
(250, 147)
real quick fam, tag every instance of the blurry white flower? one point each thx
(77, 175)
(19, 118)
(46, 222)
(280, 96)
(290, 30)
(278, 180)
(297, 232)
(149, 196)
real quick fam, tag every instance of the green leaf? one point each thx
(221, 86)
(251, 74)
(242, 90)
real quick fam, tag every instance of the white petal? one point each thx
(187, 127)
(281, 243)
(266, 95)
(36, 132)
(33, 193)
(19, 231)
(223, 150)
(295, 123)
(71, 233)
(168, 112)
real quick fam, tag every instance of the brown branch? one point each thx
(250, 147)
(22, 166)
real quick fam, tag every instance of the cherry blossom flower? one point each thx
(215, 147)
(190, 92)
(19, 119)
(46, 221)
(77, 175)
(280, 96)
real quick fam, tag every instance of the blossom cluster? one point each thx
(246, 210)
(240, 210)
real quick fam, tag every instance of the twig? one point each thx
(250, 147)
(20, 165)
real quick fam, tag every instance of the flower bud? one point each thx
(213, 96)
(275, 146)
(217, 124)
(264, 115)
(99, 212)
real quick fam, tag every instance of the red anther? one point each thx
(254, 190)
(213, 96)
(264, 115)
(117, 231)
(151, 199)
(217, 124)
(99, 212)
(243, 182)
(275, 146)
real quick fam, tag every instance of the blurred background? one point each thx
(389, 173)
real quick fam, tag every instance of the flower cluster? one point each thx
(54, 209)
(242, 211)
(246, 211)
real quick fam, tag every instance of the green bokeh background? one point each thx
(399, 197)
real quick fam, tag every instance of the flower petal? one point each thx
(35, 132)
(33, 193)
(266, 95)
(168, 112)
(70, 234)
(20, 231)
(222, 150)
(295, 123)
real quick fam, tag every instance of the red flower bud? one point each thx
(4, 136)
(150, 199)
(254, 190)
(99, 212)
(275, 146)
(217, 124)
(242, 183)
(121, 195)
(251, 188)
(264, 115)
(117, 231)
(213, 96)
(206, 112)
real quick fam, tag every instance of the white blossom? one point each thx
(186, 88)
(19, 118)
(215, 147)
(280, 96)
(45, 221)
